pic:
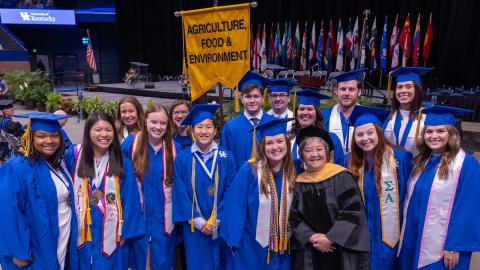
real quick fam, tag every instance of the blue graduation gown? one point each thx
(90, 255)
(240, 223)
(326, 123)
(161, 245)
(201, 251)
(29, 211)
(463, 231)
(383, 257)
(237, 135)
(183, 141)
(338, 155)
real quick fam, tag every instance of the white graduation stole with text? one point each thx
(335, 126)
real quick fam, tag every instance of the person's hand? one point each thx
(450, 259)
(207, 229)
(323, 244)
(21, 263)
(314, 237)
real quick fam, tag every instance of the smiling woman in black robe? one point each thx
(327, 221)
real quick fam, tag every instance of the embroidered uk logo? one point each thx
(222, 154)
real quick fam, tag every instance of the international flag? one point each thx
(320, 46)
(283, 49)
(406, 42)
(339, 47)
(349, 40)
(303, 56)
(271, 45)
(257, 49)
(372, 46)
(383, 47)
(312, 54)
(252, 43)
(90, 55)
(394, 46)
(363, 44)
(296, 47)
(416, 43)
(355, 46)
(263, 51)
(277, 45)
(290, 46)
(330, 48)
(428, 41)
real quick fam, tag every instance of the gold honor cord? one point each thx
(417, 128)
(253, 156)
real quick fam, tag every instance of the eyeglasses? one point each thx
(179, 112)
(275, 96)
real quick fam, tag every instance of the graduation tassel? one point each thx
(119, 205)
(417, 129)
(268, 256)
(87, 206)
(26, 140)
(294, 101)
(253, 156)
(389, 84)
(237, 101)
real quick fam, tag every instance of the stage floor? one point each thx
(164, 89)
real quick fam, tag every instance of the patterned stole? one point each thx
(272, 227)
(389, 199)
(110, 206)
(168, 225)
(437, 215)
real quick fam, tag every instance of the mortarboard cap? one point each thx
(366, 115)
(43, 121)
(352, 75)
(313, 131)
(251, 78)
(6, 104)
(405, 74)
(199, 113)
(281, 85)
(309, 97)
(274, 127)
(443, 115)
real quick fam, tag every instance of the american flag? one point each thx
(90, 56)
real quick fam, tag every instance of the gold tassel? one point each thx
(119, 203)
(253, 156)
(417, 129)
(26, 140)
(237, 101)
(265, 94)
(192, 226)
(294, 102)
(268, 256)
(389, 84)
(212, 221)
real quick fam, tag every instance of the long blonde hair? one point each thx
(424, 153)
(261, 164)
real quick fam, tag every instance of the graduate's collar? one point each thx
(328, 171)
(249, 117)
(282, 115)
(195, 148)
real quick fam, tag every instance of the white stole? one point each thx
(437, 216)
(410, 145)
(389, 200)
(335, 126)
(262, 235)
(112, 212)
(168, 225)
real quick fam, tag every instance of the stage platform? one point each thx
(164, 89)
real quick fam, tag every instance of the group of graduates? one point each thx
(349, 187)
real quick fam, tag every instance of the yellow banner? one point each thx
(217, 44)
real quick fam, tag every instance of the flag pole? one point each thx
(381, 75)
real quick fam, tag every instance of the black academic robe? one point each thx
(332, 207)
